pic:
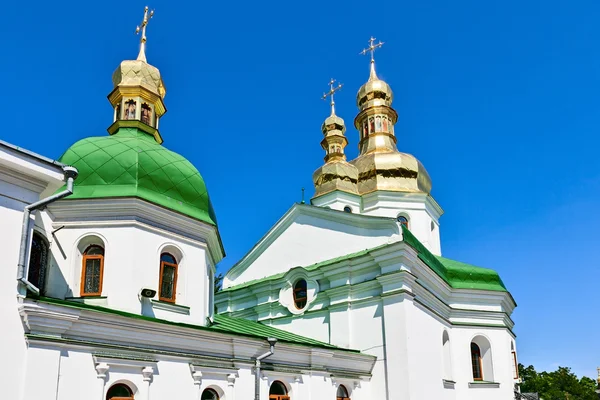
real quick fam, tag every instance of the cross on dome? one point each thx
(332, 90)
(371, 49)
(142, 28)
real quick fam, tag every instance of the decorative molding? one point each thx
(448, 384)
(175, 308)
(492, 385)
(101, 370)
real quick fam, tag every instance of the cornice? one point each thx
(96, 330)
(79, 213)
(371, 199)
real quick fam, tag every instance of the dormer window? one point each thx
(146, 114)
(168, 278)
(130, 107)
(300, 294)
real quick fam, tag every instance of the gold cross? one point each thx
(372, 47)
(142, 27)
(332, 90)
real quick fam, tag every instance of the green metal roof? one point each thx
(224, 324)
(130, 163)
(457, 274)
(241, 326)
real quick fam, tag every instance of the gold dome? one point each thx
(375, 92)
(393, 171)
(139, 73)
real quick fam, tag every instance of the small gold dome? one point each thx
(139, 73)
(336, 175)
(375, 92)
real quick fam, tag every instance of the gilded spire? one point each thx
(371, 49)
(332, 90)
(336, 173)
(142, 27)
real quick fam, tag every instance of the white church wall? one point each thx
(325, 238)
(24, 179)
(131, 262)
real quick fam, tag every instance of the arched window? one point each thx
(129, 112)
(209, 394)
(481, 359)
(92, 271)
(403, 220)
(476, 362)
(278, 391)
(348, 209)
(119, 392)
(447, 356)
(168, 278)
(300, 294)
(38, 262)
(514, 360)
(342, 393)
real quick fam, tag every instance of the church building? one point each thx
(110, 256)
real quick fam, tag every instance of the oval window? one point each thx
(300, 296)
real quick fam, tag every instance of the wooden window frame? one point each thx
(515, 365)
(84, 269)
(479, 359)
(298, 299)
(160, 282)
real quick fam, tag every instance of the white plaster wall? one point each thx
(131, 262)
(309, 240)
(69, 374)
(12, 344)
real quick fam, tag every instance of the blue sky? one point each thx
(499, 100)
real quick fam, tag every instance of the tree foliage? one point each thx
(561, 384)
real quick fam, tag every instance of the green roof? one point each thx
(456, 274)
(242, 326)
(130, 163)
(224, 324)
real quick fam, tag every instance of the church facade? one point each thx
(114, 249)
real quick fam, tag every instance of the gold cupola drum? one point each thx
(137, 97)
(336, 173)
(380, 165)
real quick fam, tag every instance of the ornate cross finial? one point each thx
(371, 49)
(142, 27)
(332, 90)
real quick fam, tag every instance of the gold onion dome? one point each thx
(380, 165)
(336, 173)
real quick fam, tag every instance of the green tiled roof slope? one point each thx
(241, 326)
(457, 274)
(131, 163)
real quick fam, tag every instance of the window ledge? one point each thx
(176, 308)
(93, 300)
(484, 384)
(448, 384)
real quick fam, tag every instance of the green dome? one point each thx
(131, 163)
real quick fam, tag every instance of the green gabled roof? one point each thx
(222, 323)
(455, 273)
(241, 326)
(130, 163)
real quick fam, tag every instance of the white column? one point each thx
(230, 390)
(147, 373)
(296, 393)
(101, 371)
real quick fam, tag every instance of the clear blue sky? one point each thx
(499, 100)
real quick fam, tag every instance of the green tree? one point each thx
(561, 384)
